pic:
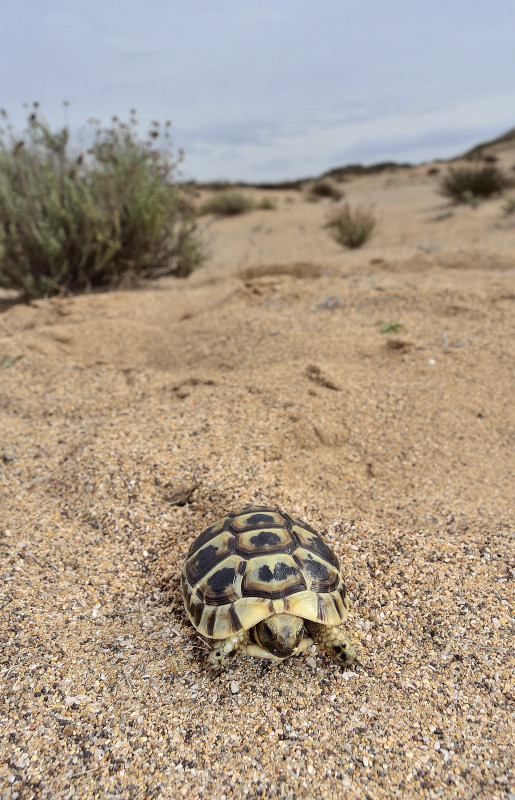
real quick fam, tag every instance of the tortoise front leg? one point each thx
(225, 649)
(333, 641)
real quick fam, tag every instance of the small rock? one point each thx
(331, 302)
(71, 701)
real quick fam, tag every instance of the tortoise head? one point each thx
(280, 634)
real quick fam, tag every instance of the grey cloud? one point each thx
(408, 147)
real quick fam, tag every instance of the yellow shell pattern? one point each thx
(257, 562)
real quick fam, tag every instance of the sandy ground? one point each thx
(134, 419)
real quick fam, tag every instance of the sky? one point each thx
(270, 90)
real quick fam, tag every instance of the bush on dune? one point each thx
(325, 188)
(74, 222)
(468, 184)
(227, 204)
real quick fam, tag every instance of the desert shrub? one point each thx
(351, 227)
(227, 203)
(466, 184)
(325, 188)
(267, 204)
(71, 222)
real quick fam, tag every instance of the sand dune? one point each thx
(136, 418)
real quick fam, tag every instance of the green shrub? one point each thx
(325, 188)
(469, 184)
(71, 222)
(351, 227)
(227, 203)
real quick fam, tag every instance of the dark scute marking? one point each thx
(204, 560)
(316, 570)
(321, 615)
(319, 546)
(221, 579)
(281, 572)
(260, 518)
(186, 592)
(343, 595)
(196, 612)
(211, 623)
(205, 537)
(265, 574)
(265, 538)
(300, 522)
(235, 620)
(274, 594)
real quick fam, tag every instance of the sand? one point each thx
(136, 418)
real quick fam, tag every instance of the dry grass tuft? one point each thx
(227, 204)
(351, 227)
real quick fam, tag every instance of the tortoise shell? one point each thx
(257, 562)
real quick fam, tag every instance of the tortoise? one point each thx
(263, 583)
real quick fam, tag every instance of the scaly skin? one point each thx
(225, 649)
(332, 640)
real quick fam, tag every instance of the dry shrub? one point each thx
(227, 204)
(325, 188)
(469, 184)
(351, 227)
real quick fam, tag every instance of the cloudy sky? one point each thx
(264, 90)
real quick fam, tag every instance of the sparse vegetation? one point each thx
(509, 206)
(71, 222)
(351, 227)
(227, 204)
(390, 327)
(267, 204)
(9, 361)
(325, 188)
(472, 184)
